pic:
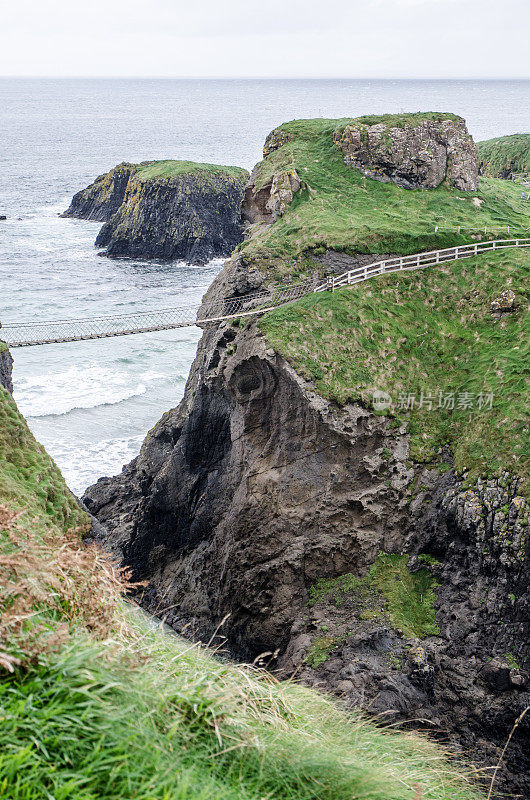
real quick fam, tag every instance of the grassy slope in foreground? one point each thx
(153, 717)
(346, 212)
(505, 155)
(30, 482)
(103, 707)
(427, 331)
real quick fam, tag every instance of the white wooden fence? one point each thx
(417, 261)
(27, 334)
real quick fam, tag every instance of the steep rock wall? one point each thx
(103, 198)
(194, 217)
(6, 366)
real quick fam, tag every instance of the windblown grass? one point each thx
(505, 155)
(429, 332)
(169, 721)
(342, 210)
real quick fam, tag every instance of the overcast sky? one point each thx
(269, 38)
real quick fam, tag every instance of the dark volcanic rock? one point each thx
(101, 199)
(255, 487)
(416, 153)
(193, 216)
(6, 367)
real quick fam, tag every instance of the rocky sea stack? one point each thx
(6, 365)
(166, 210)
(381, 556)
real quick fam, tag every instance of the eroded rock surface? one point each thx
(103, 198)
(255, 487)
(6, 367)
(266, 202)
(412, 155)
(193, 215)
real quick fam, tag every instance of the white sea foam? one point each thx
(84, 465)
(88, 385)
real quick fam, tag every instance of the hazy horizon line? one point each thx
(264, 78)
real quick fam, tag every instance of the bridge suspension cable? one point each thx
(26, 334)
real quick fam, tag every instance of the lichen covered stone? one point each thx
(417, 153)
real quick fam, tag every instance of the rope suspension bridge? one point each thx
(28, 334)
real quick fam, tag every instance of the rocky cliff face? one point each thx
(413, 153)
(6, 366)
(266, 202)
(165, 210)
(103, 198)
(255, 490)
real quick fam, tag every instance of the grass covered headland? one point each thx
(337, 208)
(96, 704)
(501, 157)
(428, 335)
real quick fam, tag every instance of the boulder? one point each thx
(504, 303)
(415, 151)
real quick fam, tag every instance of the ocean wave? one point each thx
(89, 385)
(83, 466)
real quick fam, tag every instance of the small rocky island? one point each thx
(166, 210)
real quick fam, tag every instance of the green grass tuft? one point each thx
(408, 598)
(340, 209)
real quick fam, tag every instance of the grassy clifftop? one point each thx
(501, 157)
(338, 208)
(426, 338)
(171, 169)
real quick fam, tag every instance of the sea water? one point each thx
(91, 403)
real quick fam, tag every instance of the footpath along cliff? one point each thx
(166, 210)
(380, 552)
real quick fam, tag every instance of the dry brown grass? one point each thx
(47, 584)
